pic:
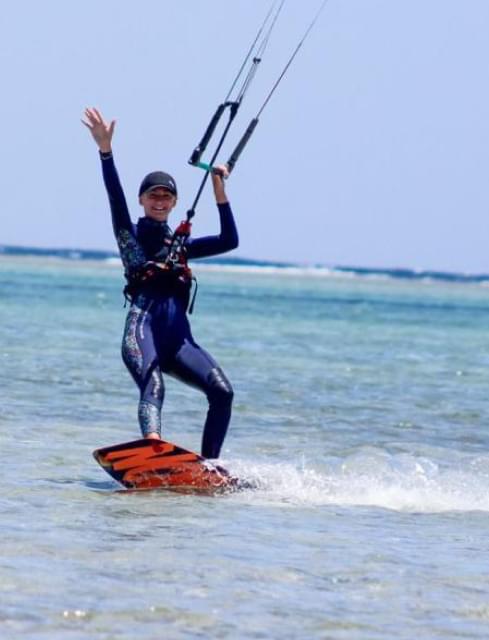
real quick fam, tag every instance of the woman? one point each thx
(157, 337)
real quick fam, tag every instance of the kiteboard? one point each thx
(156, 464)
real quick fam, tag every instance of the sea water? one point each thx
(361, 411)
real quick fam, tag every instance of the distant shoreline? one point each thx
(111, 258)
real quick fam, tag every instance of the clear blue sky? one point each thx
(373, 152)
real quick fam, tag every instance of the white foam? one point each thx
(116, 262)
(318, 272)
(400, 482)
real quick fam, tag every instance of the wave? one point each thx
(374, 478)
(265, 266)
(415, 274)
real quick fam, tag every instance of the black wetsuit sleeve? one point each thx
(131, 252)
(213, 245)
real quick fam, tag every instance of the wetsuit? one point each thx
(157, 337)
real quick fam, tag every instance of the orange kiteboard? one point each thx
(156, 464)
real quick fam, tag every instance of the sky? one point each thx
(374, 151)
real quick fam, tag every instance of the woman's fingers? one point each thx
(94, 120)
(98, 115)
(93, 115)
(90, 117)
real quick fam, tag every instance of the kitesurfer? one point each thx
(157, 338)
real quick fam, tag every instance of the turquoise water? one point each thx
(361, 409)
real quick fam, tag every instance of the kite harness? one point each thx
(173, 271)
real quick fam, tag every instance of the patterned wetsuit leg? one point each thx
(197, 368)
(139, 355)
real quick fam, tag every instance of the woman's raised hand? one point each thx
(101, 131)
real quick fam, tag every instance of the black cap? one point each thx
(158, 179)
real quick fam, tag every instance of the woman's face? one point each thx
(158, 203)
